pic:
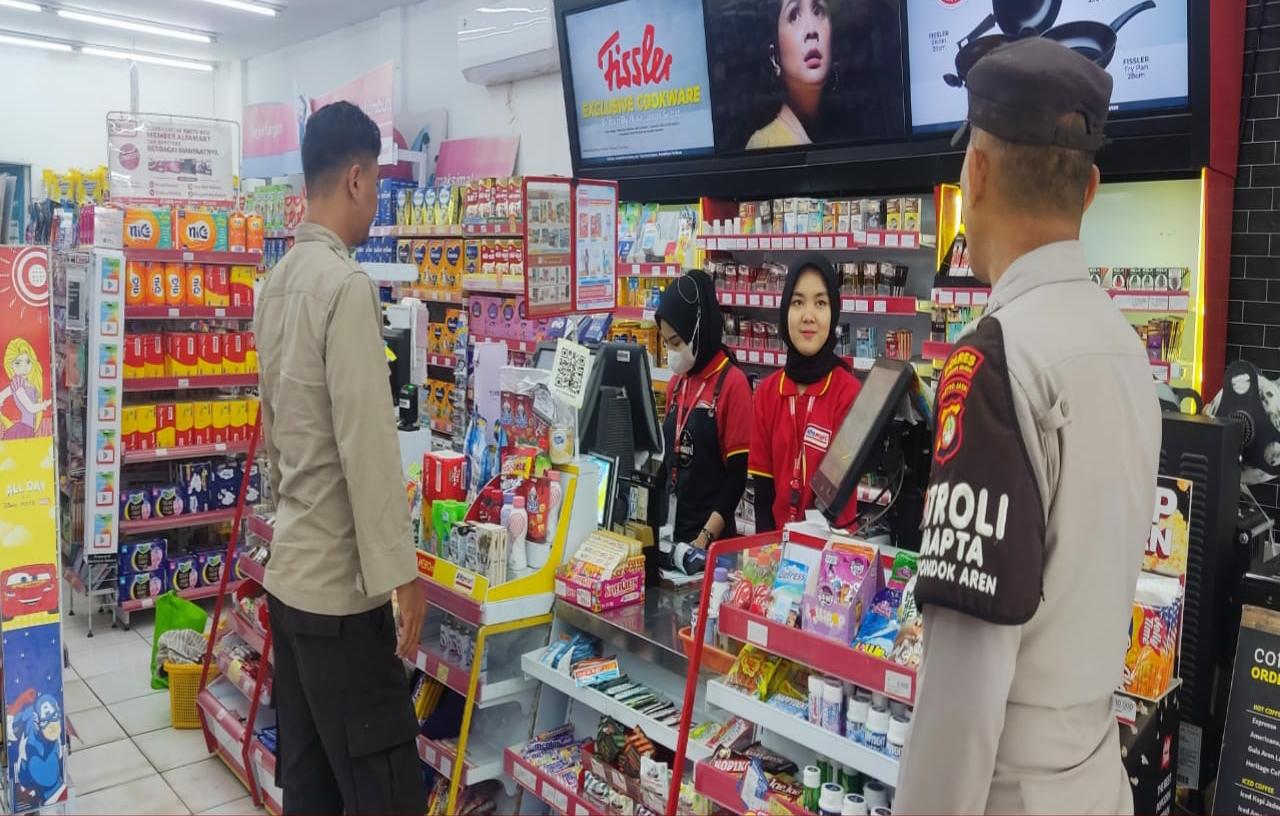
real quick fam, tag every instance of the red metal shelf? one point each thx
(649, 270)
(190, 594)
(633, 313)
(721, 787)
(181, 383)
(248, 631)
(251, 569)
(961, 295)
(434, 665)
(246, 683)
(186, 312)
(260, 527)
(849, 304)
(153, 525)
(764, 357)
(562, 799)
(188, 452)
(444, 360)
(821, 654)
(936, 349)
(192, 256)
(858, 239)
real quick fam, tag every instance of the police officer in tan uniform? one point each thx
(1043, 480)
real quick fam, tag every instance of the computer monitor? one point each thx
(621, 370)
(859, 440)
(608, 466)
(544, 356)
(401, 344)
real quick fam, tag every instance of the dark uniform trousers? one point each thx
(347, 728)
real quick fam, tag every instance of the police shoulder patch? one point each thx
(982, 548)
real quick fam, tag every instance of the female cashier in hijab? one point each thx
(708, 423)
(799, 409)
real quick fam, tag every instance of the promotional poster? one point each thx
(787, 73)
(639, 72)
(156, 158)
(1143, 45)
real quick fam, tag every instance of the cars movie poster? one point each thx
(29, 577)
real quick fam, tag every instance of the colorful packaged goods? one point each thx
(201, 230)
(148, 228)
(1153, 635)
(846, 584)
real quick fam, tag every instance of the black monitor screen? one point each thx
(1143, 45)
(787, 73)
(626, 366)
(639, 76)
(398, 341)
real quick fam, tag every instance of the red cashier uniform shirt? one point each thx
(776, 433)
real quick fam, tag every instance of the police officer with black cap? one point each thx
(1043, 480)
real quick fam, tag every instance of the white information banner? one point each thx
(154, 158)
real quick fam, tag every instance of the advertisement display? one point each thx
(639, 74)
(30, 636)
(154, 158)
(1249, 773)
(1143, 45)
(596, 246)
(106, 387)
(788, 73)
(272, 139)
(372, 92)
(548, 258)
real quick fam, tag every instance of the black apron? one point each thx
(697, 469)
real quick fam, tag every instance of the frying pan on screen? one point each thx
(1016, 19)
(1095, 41)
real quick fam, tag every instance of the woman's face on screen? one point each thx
(804, 42)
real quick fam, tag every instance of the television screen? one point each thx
(1142, 44)
(639, 75)
(788, 73)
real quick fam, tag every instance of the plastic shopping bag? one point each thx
(173, 612)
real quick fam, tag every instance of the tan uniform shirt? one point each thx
(342, 538)
(1017, 718)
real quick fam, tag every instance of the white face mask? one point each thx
(680, 360)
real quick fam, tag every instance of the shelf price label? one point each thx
(897, 684)
(526, 777)
(880, 306)
(758, 634)
(442, 673)
(556, 798)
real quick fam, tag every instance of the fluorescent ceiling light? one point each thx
(244, 5)
(133, 25)
(48, 45)
(172, 62)
(20, 5)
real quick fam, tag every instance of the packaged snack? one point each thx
(753, 671)
(1153, 635)
(789, 587)
(202, 231)
(148, 228)
(846, 585)
(880, 626)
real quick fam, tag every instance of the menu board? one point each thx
(596, 246)
(1249, 769)
(639, 75)
(1143, 45)
(548, 259)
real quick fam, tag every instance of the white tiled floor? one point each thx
(125, 757)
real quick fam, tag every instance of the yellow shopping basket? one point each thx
(184, 687)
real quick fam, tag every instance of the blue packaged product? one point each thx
(194, 478)
(184, 572)
(141, 585)
(167, 501)
(135, 505)
(224, 484)
(211, 565)
(880, 625)
(788, 590)
(143, 556)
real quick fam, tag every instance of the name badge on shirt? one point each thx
(816, 437)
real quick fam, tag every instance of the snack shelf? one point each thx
(181, 383)
(1138, 300)
(227, 731)
(488, 695)
(186, 312)
(186, 452)
(246, 683)
(249, 632)
(493, 287)
(265, 770)
(849, 304)
(649, 270)
(193, 256)
(721, 787)
(251, 569)
(260, 526)
(822, 654)
(560, 798)
(153, 525)
(961, 295)
(633, 313)
(445, 360)
(433, 295)
(603, 703)
(857, 239)
(199, 593)
(846, 752)
(484, 762)
(936, 349)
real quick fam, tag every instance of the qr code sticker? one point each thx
(569, 372)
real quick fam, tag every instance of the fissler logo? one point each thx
(647, 64)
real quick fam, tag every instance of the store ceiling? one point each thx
(237, 34)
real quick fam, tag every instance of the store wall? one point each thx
(1253, 315)
(422, 40)
(55, 105)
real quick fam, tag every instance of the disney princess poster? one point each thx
(26, 382)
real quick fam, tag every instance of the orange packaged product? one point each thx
(184, 423)
(148, 228)
(166, 429)
(129, 427)
(155, 284)
(175, 283)
(202, 424)
(135, 362)
(195, 285)
(236, 227)
(135, 285)
(253, 233)
(202, 231)
(153, 355)
(217, 286)
(145, 435)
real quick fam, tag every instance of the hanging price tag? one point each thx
(758, 634)
(525, 777)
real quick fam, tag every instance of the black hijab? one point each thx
(802, 369)
(689, 307)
